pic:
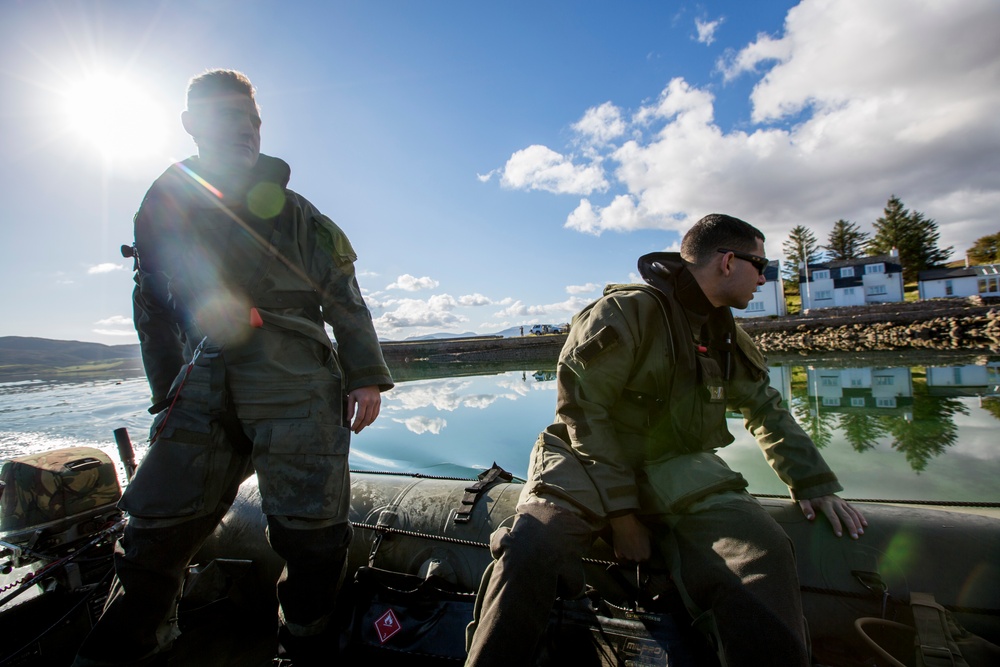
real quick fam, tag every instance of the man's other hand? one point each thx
(363, 405)
(840, 513)
(631, 539)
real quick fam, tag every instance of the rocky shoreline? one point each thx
(962, 325)
(943, 324)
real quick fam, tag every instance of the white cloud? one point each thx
(437, 311)
(474, 300)
(421, 425)
(541, 168)
(854, 102)
(114, 332)
(706, 29)
(115, 321)
(583, 289)
(106, 267)
(410, 283)
(561, 310)
(601, 124)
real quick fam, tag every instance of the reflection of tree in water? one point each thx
(862, 430)
(819, 425)
(931, 431)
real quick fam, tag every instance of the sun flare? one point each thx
(116, 116)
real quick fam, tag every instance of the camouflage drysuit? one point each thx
(640, 410)
(235, 278)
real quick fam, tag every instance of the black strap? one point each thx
(487, 478)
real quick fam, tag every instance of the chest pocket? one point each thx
(699, 414)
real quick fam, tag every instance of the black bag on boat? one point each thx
(404, 618)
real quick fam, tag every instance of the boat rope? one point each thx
(32, 578)
(389, 530)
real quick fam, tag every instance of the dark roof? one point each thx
(960, 272)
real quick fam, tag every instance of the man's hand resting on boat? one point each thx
(840, 513)
(363, 406)
(631, 539)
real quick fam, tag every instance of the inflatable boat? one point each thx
(419, 550)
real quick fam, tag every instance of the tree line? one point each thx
(911, 232)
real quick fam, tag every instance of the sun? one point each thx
(116, 116)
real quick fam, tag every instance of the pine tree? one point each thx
(913, 234)
(801, 246)
(986, 250)
(846, 241)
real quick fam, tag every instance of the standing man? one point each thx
(236, 276)
(645, 379)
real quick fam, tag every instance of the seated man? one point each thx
(644, 382)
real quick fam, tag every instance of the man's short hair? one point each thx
(216, 82)
(714, 231)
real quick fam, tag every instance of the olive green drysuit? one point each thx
(236, 276)
(644, 382)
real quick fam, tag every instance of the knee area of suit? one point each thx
(305, 541)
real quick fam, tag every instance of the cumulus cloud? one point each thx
(601, 124)
(474, 300)
(115, 321)
(561, 310)
(437, 311)
(706, 29)
(852, 102)
(583, 289)
(106, 267)
(421, 425)
(410, 283)
(116, 325)
(541, 168)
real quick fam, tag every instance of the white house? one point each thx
(769, 299)
(974, 379)
(882, 388)
(965, 281)
(852, 282)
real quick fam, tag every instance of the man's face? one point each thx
(745, 278)
(227, 131)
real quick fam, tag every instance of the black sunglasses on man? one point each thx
(759, 263)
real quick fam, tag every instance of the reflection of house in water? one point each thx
(544, 376)
(972, 380)
(848, 389)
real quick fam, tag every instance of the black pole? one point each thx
(125, 452)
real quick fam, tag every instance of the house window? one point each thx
(755, 307)
(823, 294)
(857, 402)
(885, 380)
(847, 272)
(885, 402)
(856, 382)
(831, 402)
(821, 275)
(830, 381)
(949, 288)
(875, 290)
(987, 285)
(875, 268)
(848, 291)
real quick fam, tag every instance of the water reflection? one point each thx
(880, 425)
(891, 426)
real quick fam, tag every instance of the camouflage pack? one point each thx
(40, 489)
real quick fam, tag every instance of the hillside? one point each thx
(21, 352)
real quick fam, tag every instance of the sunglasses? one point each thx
(759, 263)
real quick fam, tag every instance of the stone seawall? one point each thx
(944, 324)
(940, 324)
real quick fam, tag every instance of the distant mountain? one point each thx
(25, 351)
(436, 336)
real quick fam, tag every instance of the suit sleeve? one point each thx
(789, 451)
(344, 309)
(594, 367)
(160, 340)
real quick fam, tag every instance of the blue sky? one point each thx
(494, 164)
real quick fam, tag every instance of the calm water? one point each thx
(891, 429)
